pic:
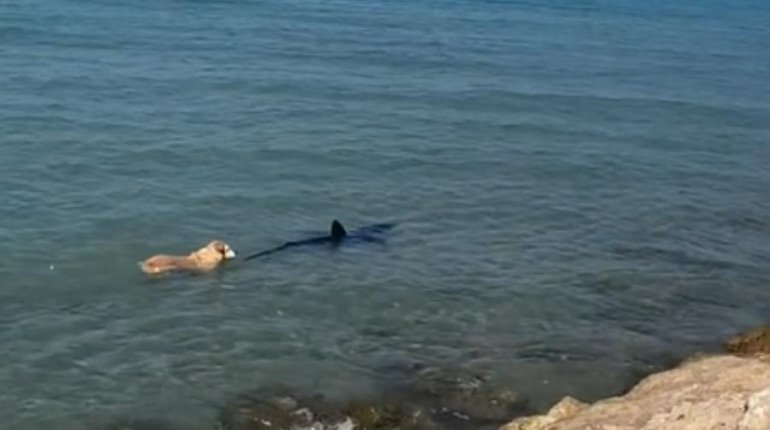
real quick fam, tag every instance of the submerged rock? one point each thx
(463, 396)
(368, 417)
(429, 398)
(126, 423)
(252, 413)
(717, 392)
(317, 413)
(750, 342)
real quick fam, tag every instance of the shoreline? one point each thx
(726, 390)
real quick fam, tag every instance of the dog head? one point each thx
(221, 249)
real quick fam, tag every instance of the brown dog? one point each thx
(202, 260)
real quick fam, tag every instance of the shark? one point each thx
(337, 236)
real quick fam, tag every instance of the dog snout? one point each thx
(229, 253)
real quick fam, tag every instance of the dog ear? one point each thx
(220, 247)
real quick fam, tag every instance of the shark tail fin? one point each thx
(337, 230)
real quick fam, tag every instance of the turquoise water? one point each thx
(581, 189)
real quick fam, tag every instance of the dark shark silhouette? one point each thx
(337, 235)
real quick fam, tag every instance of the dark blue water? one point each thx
(581, 188)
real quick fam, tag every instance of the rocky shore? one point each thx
(435, 398)
(729, 391)
(725, 391)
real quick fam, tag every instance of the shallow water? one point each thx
(581, 191)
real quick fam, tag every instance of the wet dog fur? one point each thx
(205, 259)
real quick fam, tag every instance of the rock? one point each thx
(369, 417)
(254, 413)
(751, 342)
(317, 413)
(255, 417)
(566, 408)
(467, 397)
(757, 415)
(285, 403)
(129, 423)
(710, 393)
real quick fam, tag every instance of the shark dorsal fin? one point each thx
(337, 230)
